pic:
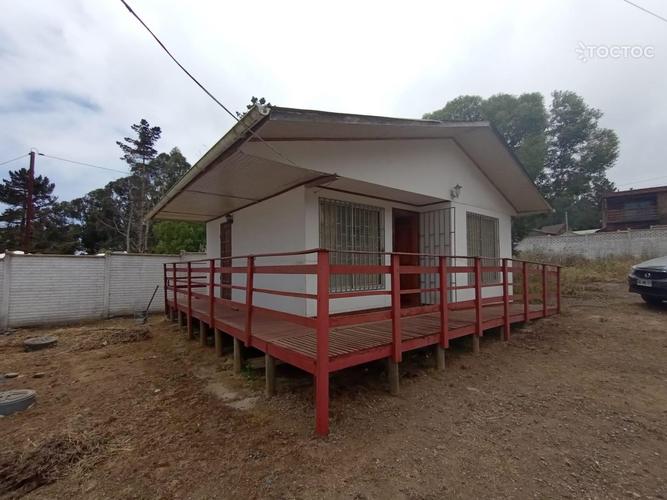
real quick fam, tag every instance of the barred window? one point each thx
(349, 226)
(483, 241)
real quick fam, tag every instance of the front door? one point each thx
(406, 239)
(226, 251)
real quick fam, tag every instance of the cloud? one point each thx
(85, 71)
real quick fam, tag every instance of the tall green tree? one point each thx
(52, 228)
(579, 154)
(564, 150)
(138, 152)
(175, 236)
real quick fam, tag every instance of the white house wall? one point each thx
(272, 226)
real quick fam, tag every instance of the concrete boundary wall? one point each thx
(46, 289)
(638, 243)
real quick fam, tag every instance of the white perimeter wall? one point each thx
(43, 289)
(291, 221)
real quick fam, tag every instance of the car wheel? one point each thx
(653, 301)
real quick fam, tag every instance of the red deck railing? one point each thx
(457, 283)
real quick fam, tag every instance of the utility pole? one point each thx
(30, 207)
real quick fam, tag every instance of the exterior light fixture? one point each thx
(455, 192)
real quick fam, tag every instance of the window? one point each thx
(351, 226)
(483, 241)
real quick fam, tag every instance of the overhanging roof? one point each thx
(226, 179)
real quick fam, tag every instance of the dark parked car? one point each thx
(649, 279)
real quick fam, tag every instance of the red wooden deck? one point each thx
(325, 343)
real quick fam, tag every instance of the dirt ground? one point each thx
(574, 406)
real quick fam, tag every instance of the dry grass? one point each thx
(48, 460)
(581, 275)
(103, 337)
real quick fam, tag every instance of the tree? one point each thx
(579, 153)
(53, 230)
(138, 152)
(564, 150)
(173, 236)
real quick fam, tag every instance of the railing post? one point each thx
(164, 287)
(189, 289)
(211, 293)
(506, 301)
(322, 362)
(249, 285)
(525, 292)
(396, 347)
(175, 285)
(478, 304)
(544, 290)
(444, 304)
(558, 290)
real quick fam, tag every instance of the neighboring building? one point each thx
(635, 209)
(351, 182)
(551, 230)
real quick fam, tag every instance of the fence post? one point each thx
(249, 284)
(396, 347)
(444, 304)
(6, 289)
(189, 289)
(322, 364)
(478, 305)
(211, 291)
(164, 289)
(106, 308)
(506, 301)
(544, 290)
(525, 292)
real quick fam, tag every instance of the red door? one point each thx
(226, 251)
(406, 239)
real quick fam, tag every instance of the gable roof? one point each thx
(213, 187)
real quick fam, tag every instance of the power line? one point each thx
(84, 164)
(216, 100)
(14, 159)
(643, 180)
(664, 19)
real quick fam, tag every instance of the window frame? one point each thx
(352, 223)
(476, 251)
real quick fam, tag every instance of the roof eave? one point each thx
(234, 137)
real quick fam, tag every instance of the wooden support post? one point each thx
(394, 377)
(270, 373)
(558, 290)
(175, 285)
(475, 344)
(249, 284)
(478, 305)
(202, 332)
(526, 298)
(444, 304)
(238, 359)
(181, 320)
(217, 335)
(440, 357)
(396, 344)
(545, 296)
(322, 360)
(506, 301)
(191, 334)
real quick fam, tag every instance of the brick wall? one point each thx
(43, 289)
(638, 243)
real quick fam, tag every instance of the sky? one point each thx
(76, 74)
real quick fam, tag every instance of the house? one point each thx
(634, 209)
(550, 230)
(337, 239)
